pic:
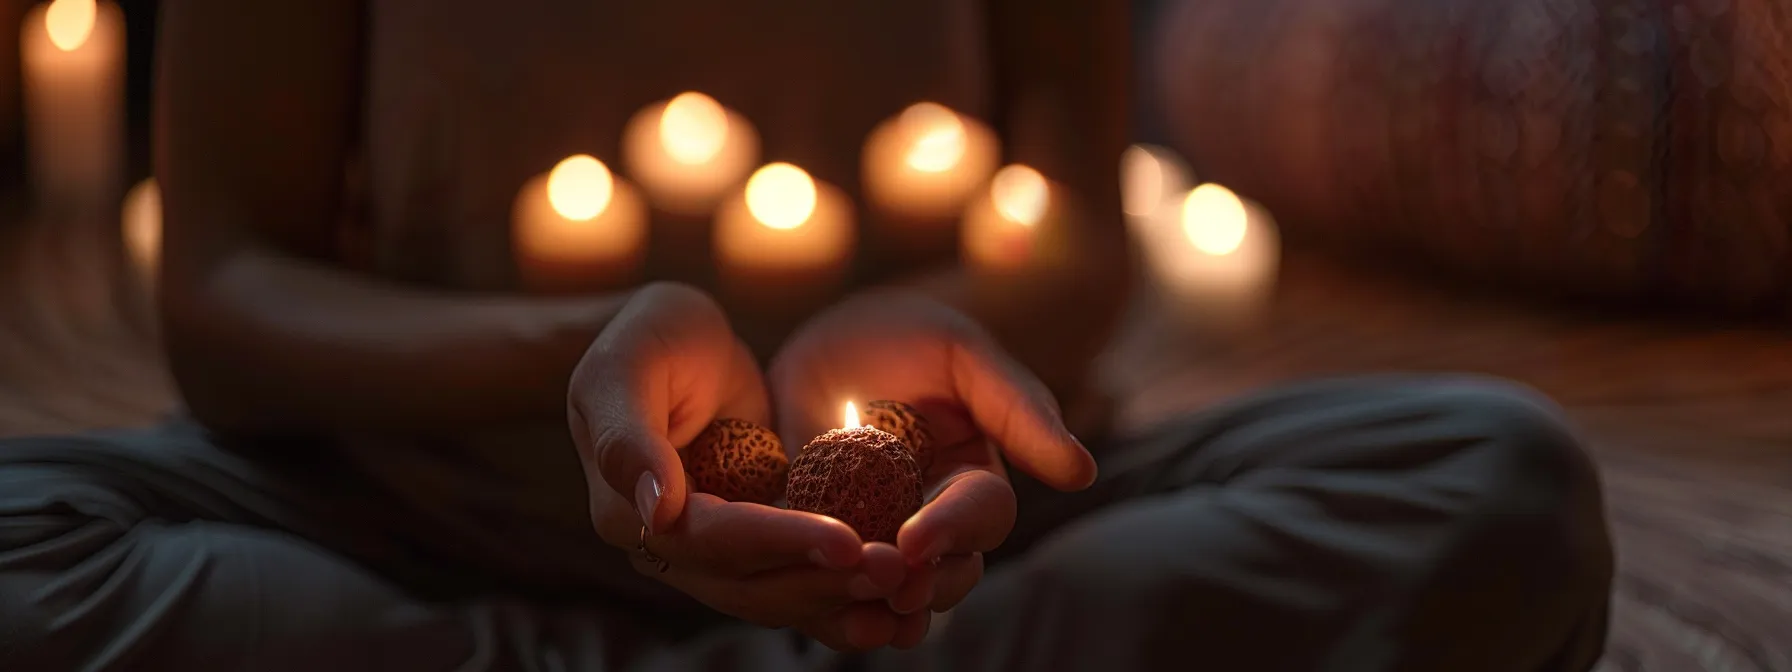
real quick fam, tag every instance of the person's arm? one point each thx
(1063, 92)
(256, 108)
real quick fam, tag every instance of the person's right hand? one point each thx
(665, 367)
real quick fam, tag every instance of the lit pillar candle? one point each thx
(578, 228)
(1004, 227)
(141, 229)
(782, 245)
(72, 55)
(688, 152)
(927, 161)
(1218, 263)
(784, 222)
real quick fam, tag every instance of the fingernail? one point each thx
(647, 499)
(821, 558)
(862, 588)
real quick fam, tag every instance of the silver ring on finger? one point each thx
(649, 556)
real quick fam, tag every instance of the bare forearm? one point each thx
(274, 344)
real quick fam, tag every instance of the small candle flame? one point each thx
(852, 416)
(781, 196)
(1214, 219)
(69, 22)
(939, 137)
(580, 187)
(1020, 194)
(693, 128)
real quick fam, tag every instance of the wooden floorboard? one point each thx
(1689, 424)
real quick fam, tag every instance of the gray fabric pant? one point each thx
(1390, 523)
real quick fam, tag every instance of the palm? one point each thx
(905, 347)
(894, 349)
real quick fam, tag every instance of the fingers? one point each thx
(736, 539)
(786, 597)
(884, 564)
(916, 591)
(973, 513)
(954, 579)
(861, 626)
(864, 624)
(643, 469)
(648, 384)
(911, 629)
(1010, 406)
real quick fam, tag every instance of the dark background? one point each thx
(140, 20)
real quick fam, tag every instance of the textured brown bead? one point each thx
(864, 476)
(907, 424)
(738, 461)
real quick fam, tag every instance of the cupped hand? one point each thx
(983, 409)
(665, 367)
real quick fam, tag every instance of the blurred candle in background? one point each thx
(1152, 180)
(73, 60)
(927, 162)
(141, 229)
(1003, 227)
(1218, 264)
(784, 222)
(578, 228)
(688, 152)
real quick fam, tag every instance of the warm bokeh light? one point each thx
(142, 224)
(69, 22)
(580, 187)
(693, 128)
(781, 196)
(1141, 181)
(1020, 194)
(939, 137)
(852, 416)
(1214, 219)
(578, 228)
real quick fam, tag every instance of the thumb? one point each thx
(1012, 407)
(642, 468)
(645, 363)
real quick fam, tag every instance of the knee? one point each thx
(1523, 442)
(1528, 564)
(1538, 509)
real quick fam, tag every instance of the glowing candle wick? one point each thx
(1214, 220)
(580, 187)
(1020, 194)
(693, 128)
(939, 138)
(781, 196)
(69, 22)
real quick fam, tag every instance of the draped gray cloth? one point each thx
(1387, 523)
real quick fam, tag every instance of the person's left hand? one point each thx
(981, 406)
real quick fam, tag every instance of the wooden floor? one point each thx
(1691, 426)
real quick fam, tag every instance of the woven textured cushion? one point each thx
(1616, 149)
